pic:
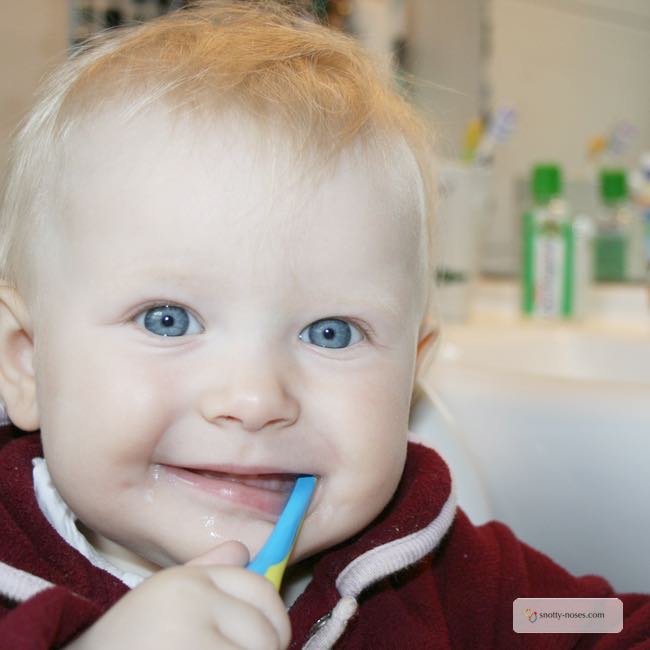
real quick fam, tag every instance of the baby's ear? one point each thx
(428, 337)
(17, 380)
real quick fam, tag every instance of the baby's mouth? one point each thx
(265, 493)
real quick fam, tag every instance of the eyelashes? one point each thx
(331, 333)
(169, 320)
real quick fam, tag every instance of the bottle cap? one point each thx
(613, 185)
(546, 182)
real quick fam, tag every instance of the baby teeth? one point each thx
(274, 484)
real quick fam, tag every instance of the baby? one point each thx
(215, 263)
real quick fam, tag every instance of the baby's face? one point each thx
(210, 328)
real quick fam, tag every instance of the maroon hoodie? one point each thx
(420, 576)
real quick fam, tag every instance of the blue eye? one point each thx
(331, 333)
(169, 320)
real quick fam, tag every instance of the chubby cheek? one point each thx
(371, 447)
(100, 420)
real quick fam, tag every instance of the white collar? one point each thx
(63, 520)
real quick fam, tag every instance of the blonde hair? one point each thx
(261, 59)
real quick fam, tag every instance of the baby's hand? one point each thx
(212, 602)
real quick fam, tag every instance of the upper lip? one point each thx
(277, 482)
(238, 470)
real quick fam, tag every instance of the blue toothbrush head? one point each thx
(272, 559)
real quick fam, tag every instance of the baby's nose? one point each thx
(254, 397)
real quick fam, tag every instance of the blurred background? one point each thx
(539, 397)
(571, 73)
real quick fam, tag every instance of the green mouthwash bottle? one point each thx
(548, 248)
(617, 239)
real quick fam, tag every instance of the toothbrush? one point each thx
(498, 131)
(473, 135)
(272, 559)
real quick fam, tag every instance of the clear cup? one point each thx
(466, 203)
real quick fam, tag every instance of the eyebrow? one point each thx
(345, 302)
(351, 303)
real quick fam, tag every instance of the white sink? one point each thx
(559, 352)
(556, 420)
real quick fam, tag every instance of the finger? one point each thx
(231, 553)
(244, 625)
(251, 588)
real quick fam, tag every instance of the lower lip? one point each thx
(265, 501)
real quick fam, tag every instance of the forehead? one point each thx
(130, 182)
